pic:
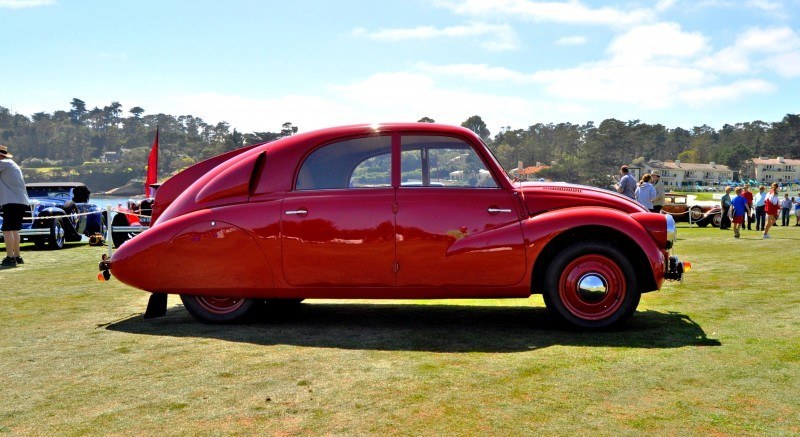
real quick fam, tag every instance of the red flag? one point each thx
(152, 166)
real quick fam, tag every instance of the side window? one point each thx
(434, 161)
(373, 172)
(357, 163)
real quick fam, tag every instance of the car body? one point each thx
(677, 205)
(403, 210)
(60, 212)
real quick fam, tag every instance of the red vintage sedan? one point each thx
(407, 210)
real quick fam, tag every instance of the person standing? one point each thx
(645, 193)
(797, 210)
(739, 205)
(759, 202)
(786, 207)
(749, 196)
(627, 184)
(771, 207)
(658, 202)
(725, 204)
(14, 199)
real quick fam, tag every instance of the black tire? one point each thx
(118, 238)
(69, 207)
(610, 294)
(716, 220)
(57, 235)
(218, 310)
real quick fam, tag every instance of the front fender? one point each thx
(546, 234)
(42, 221)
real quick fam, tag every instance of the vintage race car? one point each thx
(60, 212)
(411, 210)
(131, 219)
(678, 207)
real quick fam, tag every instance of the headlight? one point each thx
(672, 231)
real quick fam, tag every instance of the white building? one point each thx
(767, 171)
(677, 174)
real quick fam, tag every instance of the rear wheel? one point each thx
(591, 285)
(210, 309)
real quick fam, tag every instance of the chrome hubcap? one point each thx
(592, 287)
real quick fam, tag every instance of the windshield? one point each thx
(51, 193)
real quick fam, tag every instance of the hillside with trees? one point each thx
(106, 147)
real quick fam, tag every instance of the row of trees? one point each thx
(589, 153)
(74, 141)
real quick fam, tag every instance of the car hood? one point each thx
(46, 202)
(541, 197)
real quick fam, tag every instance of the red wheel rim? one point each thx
(592, 304)
(219, 305)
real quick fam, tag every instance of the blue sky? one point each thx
(315, 63)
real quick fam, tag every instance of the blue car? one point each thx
(60, 212)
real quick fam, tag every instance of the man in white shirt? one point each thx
(14, 200)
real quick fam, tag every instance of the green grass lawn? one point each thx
(718, 354)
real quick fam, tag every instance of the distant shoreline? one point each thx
(130, 189)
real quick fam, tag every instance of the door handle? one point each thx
(301, 211)
(493, 210)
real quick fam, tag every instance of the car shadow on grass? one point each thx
(432, 328)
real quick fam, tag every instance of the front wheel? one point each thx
(57, 235)
(716, 221)
(591, 285)
(209, 309)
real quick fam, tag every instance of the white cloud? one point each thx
(409, 96)
(650, 67)
(729, 60)
(21, 4)
(769, 40)
(758, 50)
(729, 92)
(646, 86)
(572, 11)
(663, 5)
(785, 64)
(382, 97)
(251, 114)
(571, 41)
(765, 5)
(475, 72)
(501, 36)
(657, 41)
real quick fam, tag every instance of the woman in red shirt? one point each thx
(772, 208)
